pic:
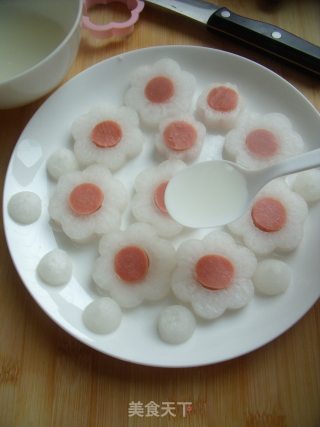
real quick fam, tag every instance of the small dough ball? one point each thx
(102, 316)
(55, 268)
(272, 277)
(61, 162)
(307, 184)
(25, 207)
(176, 324)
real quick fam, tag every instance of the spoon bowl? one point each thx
(216, 192)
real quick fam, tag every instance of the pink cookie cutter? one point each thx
(119, 29)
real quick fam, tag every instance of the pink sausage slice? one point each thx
(223, 99)
(262, 143)
(106, 134)
(179, 136)
(158, 197)
(269, 214)
(214, 272)
(131, 264)
(86, 199)
(159, 90)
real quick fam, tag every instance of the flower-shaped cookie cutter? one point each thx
(119, 29)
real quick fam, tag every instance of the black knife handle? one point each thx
(268, 37)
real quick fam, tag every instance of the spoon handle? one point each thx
(307, 160)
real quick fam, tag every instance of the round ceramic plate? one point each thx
(233, 334)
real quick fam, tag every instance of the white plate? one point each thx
(136, 340)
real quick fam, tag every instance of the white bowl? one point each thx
(31, 81)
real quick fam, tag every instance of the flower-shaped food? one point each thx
(214, 274)
(88, 203)
(107, 135)
(160, 90)
(148, 204)
(219, 106)
(134, 265)
(180, 137)
(261, 140)
(274, 221)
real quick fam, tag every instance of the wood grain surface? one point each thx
(47, 378)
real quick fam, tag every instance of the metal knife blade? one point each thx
(264, 36)
(197, 10)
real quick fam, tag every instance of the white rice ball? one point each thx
(102, 316)
(307, 184)
(25, 207)
(272, 277)
(176, 324)
(61, 162)
(55, 268)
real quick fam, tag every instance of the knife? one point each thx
(262, 35)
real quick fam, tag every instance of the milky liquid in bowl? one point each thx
(26, 38)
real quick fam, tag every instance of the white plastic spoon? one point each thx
(216, 192)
